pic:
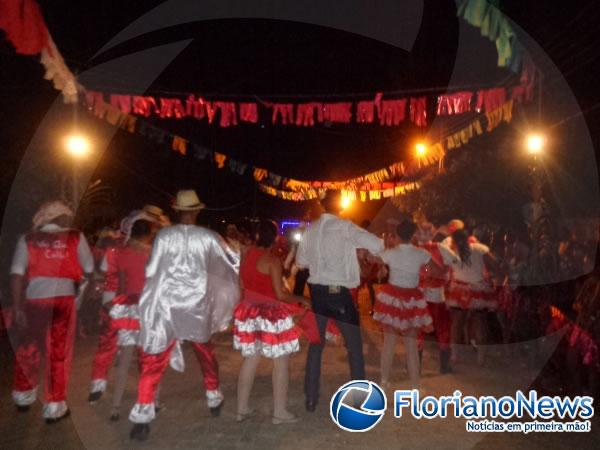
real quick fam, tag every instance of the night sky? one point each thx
(275, 61)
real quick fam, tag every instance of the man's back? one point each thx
(186, 266)
(328, 249)
(182, 252)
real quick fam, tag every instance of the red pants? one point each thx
(153, 367)
(50, 326)
(441, 324)
(107, 348)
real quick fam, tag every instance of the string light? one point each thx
(77, 145)
(420, 149)
(535, 143)
(346, 202)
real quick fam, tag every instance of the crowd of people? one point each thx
(160, 284)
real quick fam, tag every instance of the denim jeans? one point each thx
(340, 307)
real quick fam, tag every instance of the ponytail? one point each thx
(460, 238)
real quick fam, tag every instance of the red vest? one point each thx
(436, 256)
(53, 255)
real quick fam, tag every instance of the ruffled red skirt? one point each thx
(264, 327)
(466, 296)
(403, 309)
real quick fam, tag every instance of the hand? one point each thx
(19, 317)
(304, 302)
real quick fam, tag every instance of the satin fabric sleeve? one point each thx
(155, 255)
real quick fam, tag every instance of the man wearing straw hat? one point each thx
(47, 265)
(190, 291)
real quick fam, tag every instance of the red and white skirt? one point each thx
(265, 328)
(468, 296)
(402, 308)
(125, 318)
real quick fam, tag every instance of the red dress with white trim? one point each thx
(262, 324)
(400, 303)
(469, 288)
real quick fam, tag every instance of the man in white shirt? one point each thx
(328, 251)
(47, 265)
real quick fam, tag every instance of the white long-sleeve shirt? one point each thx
(328, 251)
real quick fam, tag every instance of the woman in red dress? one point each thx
(263, 326)
(130, 263)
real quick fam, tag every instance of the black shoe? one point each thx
(139, 432)
(311, 405)
(95, 396)
(445, 362)
(54, 420)
(23, 408)
(216, 411)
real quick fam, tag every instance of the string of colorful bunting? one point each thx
(371, 186)
(379, 110)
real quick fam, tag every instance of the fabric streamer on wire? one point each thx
(25, 28)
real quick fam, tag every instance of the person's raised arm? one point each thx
(361, 238)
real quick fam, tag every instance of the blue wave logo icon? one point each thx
(358, 406)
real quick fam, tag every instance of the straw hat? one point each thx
(454, 225)
(50, 211)
(188, 200)
(153, 211)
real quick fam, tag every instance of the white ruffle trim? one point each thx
(401, 304)
(125, 312)
(25, 398)
(142, 413)
(267, 326)
(266, 350)
(54, 410)
(405, 324)
(98, 385)
(433, 295)
(128, 337)
(214, 398)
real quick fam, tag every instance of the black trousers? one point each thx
(301, 278)
(340, 307)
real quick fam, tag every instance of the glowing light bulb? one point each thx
(421, 150)
(77, 145)
(535, 144)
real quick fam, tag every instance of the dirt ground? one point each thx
(185, 422)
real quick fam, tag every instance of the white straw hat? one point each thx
(188, 200)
